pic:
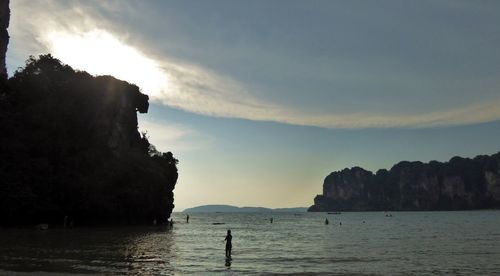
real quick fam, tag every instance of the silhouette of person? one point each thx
(326, 221)
(271, 220)
(229, 244)
(187, 219)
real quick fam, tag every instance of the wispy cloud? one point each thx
(166, 136)
(58, 27)
(197, 90)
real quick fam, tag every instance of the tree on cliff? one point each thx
(70, 147)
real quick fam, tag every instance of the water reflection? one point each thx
(152, 252)
(441, 242)
(228, 262)
(146, 250)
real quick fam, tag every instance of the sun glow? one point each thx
(100, 53)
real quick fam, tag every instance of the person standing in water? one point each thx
(187, 219)
(326, 221)
(229, 245)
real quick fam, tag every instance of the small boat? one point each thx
(334, 213)
(218, 223)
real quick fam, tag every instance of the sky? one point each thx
(261, 100)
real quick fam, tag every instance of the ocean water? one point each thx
(366, 243)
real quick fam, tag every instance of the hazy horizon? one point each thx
(228, 205)
(261, 100)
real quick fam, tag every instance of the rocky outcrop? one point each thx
(70, 150)
(459, 184)
(4, 36)
(117, 118)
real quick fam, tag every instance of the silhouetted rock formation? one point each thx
(70, 147)
(459, 184)
(4, 36)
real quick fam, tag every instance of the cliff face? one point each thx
(116, 117)
(4, 36)
(70, 148)
(459, 184)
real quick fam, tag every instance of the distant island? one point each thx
(70, 149)
(459, 184)
(235, 209)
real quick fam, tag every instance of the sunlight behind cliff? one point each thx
(100, 53)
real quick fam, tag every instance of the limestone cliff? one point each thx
(4, 35)
(70, 148)
(459, 184)
(116, 117)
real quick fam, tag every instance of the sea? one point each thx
(352, 243)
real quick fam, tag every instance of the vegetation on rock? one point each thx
(70, 147)
(459, 184)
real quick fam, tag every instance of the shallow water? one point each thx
(409, 243)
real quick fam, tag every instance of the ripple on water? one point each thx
(423, 243)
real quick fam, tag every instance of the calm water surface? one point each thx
(409, 243)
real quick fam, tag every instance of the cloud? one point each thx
(197, 90)
(59, 27)
(166, 136)
(100, 53)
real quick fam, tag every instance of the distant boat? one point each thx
(334, 213)
(218, 223)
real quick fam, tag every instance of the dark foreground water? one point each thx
(409, 243)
